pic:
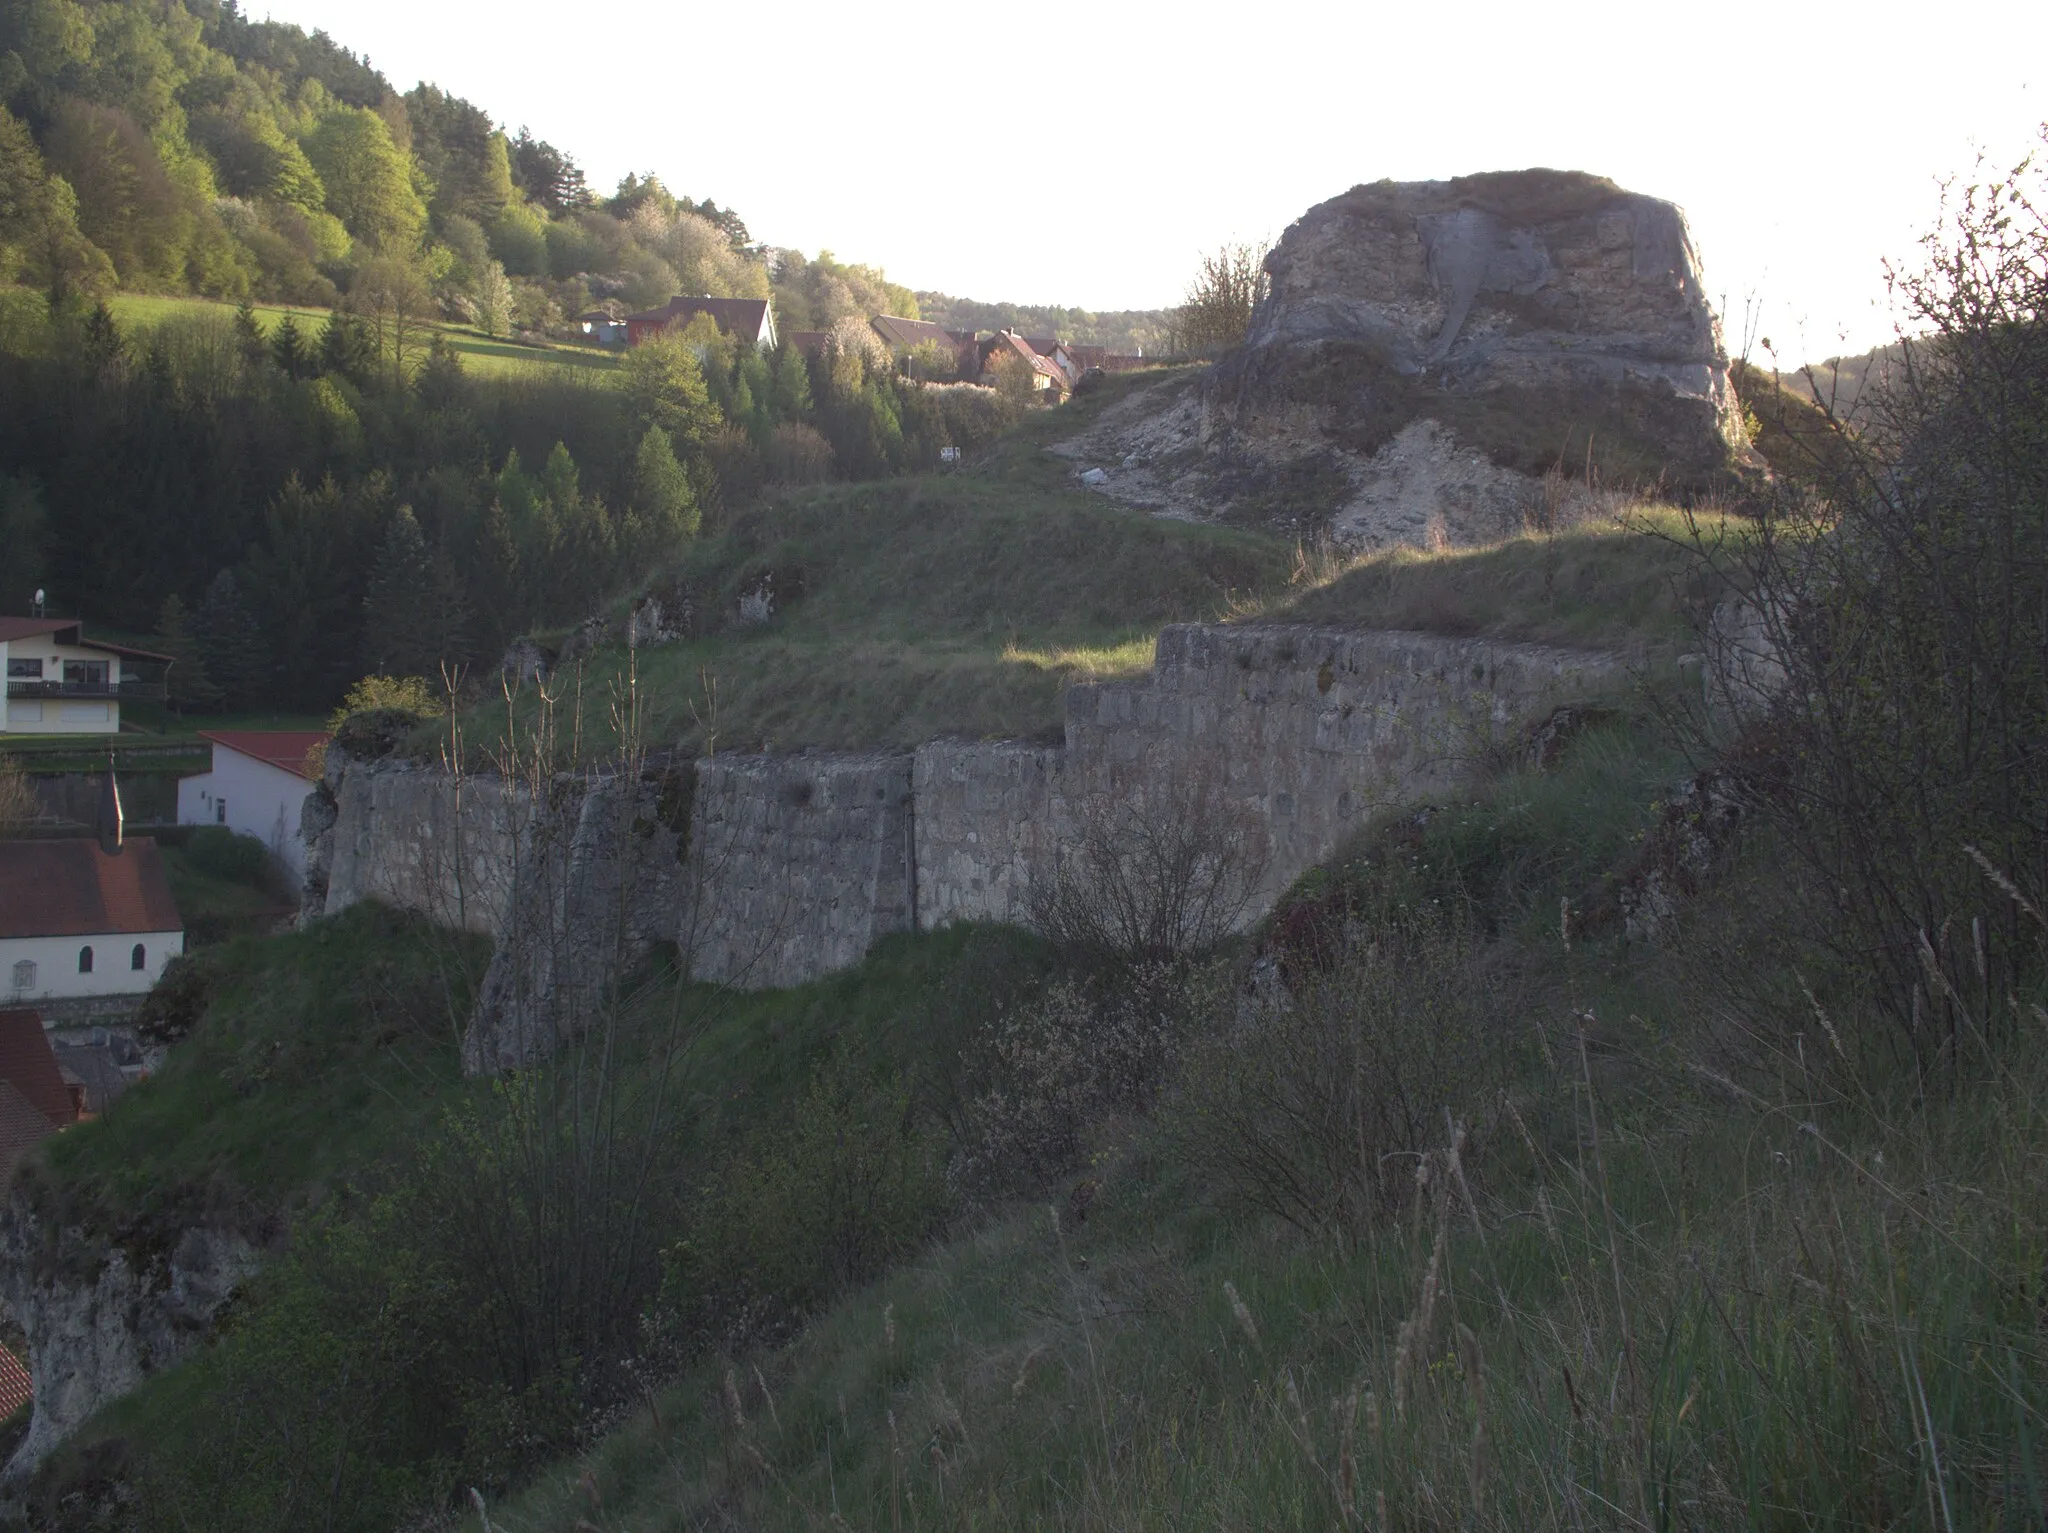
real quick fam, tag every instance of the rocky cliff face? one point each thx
(99, 1317)
(1430, 351)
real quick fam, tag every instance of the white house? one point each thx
(78, 921)
(61, 683)
(257, 786)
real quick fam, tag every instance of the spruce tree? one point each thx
(230, 645)
(402, 626)
(661, 489)
(186, 683)
(792, 384)
(288, 349)
(249, 335)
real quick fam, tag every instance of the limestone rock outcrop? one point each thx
(1439, 362)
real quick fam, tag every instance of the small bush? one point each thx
(222, 853)
(807, 1208)
(1316, 1106)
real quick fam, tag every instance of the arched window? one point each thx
(85, 960)
(138, 959)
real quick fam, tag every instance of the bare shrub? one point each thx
(798, 454)
(1217, 311)
(1080, 1055)
(1317, 1106)
(1159, 870)
(18, 803)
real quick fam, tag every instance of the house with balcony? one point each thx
(61, 683)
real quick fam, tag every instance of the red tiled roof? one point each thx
(287, 748)
(22, 1128)
(735, 316)
(1013, 342)
(16, 1387)
(28, 1065)
(71, 888)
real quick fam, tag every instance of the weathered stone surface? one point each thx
(1429, 350)
(412, 836)
(768, 871)
(99, 1319)
(595, 884)
(797, 865)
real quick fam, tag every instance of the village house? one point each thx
(79, 922)
(1055, 351)
(1045, 372)
(256, 786)
(903, 337)
(602, 326)
(751, 320)
(59, 682)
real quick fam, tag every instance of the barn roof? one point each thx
(286, 748)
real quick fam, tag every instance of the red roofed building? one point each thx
(1046, 373)
(258, 785)
(78, 922)
(905, 336)
(751, 320)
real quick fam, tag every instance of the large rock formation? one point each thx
(1430, 352)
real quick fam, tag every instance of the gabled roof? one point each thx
(1044, 345)
(66, 630)
(286, 748)
(28, 1064)
(71, 888)
(810, 342)
(1009, 340)
(17, 1386)
(22, 1128)
(735, 316)
(913, 333)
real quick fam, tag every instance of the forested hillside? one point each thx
(1149, 331)
(289, 506)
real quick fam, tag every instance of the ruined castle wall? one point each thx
(414, 837)
(988, 814)
(796, 865)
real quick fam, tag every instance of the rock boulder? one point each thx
(1442, 361)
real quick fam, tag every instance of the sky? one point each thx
(1088, 154)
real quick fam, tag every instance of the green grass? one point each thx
(480, 353)
(1662, 1296)
(1629, 581)
(320, 1050)
(942, 604)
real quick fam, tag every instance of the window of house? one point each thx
(25, 670)
(25, 974)
(89, 672)
(220, 811)
(137, 958)
(85, 960)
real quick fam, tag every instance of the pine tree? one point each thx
(288, 349)
(230, 645)
(792, 385)
(188, 685)
(347, 347)
(249, 335)
(661, 489)
(402, 626)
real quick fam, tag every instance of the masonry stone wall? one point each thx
(797, 865)
(412, 836)
(1308, 731)
(774, 870)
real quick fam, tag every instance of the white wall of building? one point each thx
(53, 715)
(252, 797)
(56, 976)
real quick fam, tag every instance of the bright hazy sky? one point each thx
(1086, 154)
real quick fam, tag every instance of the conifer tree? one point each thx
(401, 627)
(792, 385)
(288, 349)
(188, 685)
(230, 645)
(249, 335)
(661, 489)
